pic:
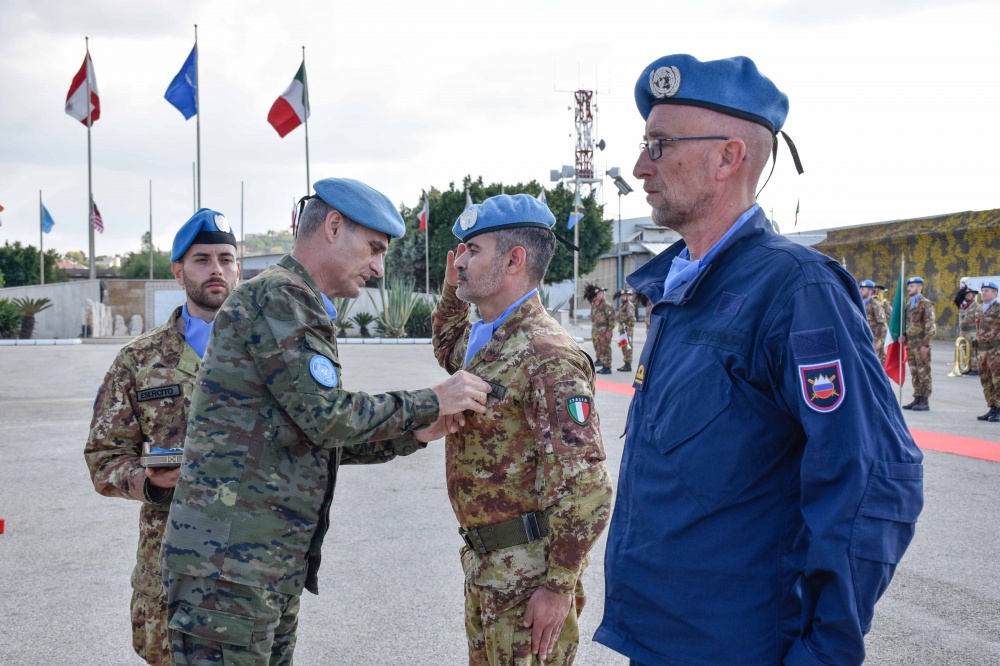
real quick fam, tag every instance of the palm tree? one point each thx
(30, 307)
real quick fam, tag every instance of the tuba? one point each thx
(963, 356)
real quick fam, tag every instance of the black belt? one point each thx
(513, 532)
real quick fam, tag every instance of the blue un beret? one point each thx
(362, 204)
(915, 280)
(206, 227)
(504, 211)
(989, 285)
(732, 86)
(867, 283)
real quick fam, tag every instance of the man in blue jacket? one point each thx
(763, 503)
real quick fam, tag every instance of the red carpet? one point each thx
(928, 441)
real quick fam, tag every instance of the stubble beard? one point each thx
(200, 296)
(474, 292)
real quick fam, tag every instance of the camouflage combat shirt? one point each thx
(537, 448)
(626, 317)
(270, 424)
(988, 324)
(602, 316)
(921, 324)
(968, 314)
(876, 319)
(144, 399)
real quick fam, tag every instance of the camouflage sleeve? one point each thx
(115, 442)
(574, 482)
(283, 345)
(371, 453)
(450, 323)
(931, 323)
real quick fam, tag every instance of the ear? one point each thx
(517, 260)
(731, 157)
(178, 271)
(333, 225)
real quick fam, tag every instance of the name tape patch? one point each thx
(158, 393)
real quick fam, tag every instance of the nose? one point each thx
(378, 266)
(643, 166)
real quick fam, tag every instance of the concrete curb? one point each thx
(44, 341)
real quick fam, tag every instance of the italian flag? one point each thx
(292, 108)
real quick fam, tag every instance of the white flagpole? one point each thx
(150, 228)
(427, 261)
(305, 89)
(903, 303)
(90, 180)
(197, 105)
(41, 243)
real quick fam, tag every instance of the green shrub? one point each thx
(363, 320)
(419, 324)
(10, 320)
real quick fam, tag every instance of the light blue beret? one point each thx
(732, 86)
(206, 227)
(504, 211)
(361, 203)
(989, 285)
(867, 283)
(915, 280)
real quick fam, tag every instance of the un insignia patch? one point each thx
(322, 370)
(579, 408)
(823, 385)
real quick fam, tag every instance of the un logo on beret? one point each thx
(665, 82)
(223, 224)
(468, 219)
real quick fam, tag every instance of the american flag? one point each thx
(95, 217)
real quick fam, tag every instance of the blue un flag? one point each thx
(47, 221)
(576, 212)
(181, 91)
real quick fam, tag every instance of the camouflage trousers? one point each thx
(602, 346)
(627, 350)
(149, 628)
(920, 370)
(217, 622)
(989, 376)
(494, 625)
(880, 350)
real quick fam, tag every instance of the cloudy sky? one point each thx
(894, 103)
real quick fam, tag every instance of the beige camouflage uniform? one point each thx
(626, 324)
(125, 417)
(263, 446)
(988, 330)
(602, 318)
(877, 322)
(527, 453)
(921, 325)
(968, 314)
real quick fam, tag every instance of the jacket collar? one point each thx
(176, 353)
(650, 277)
(493, 349)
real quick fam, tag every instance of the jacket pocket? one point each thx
(691, 408)
(213, 625)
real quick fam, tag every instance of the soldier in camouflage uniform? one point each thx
(921, 325)
(270, 424)
(988, 332)
(968, 313)
(527, 480)
(602, 319)
(143, 403)
(877, 321)
(626, 324)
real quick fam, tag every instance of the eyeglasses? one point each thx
(654, 147)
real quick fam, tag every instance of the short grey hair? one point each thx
(314, 214)
(539, 246)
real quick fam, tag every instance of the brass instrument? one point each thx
(963, 356)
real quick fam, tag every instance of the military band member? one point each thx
(144, 402)
(602, 318)
(626, 324)
(968, 313)
(877, 320)
(527, 479)
(921, 325)
(270, 424)
(988, 333)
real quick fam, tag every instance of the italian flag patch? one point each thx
(579, 408)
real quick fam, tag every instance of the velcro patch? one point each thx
(823, 385)
(729, 304)
(158, 393)
(814, 342)
(579, 408)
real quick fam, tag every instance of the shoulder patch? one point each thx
(814, 342)
(322, 370)
(823, 386)
(579, 408)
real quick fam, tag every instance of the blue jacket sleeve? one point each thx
(861, 486)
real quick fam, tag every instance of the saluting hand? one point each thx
(460, 392)
(450, 272)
